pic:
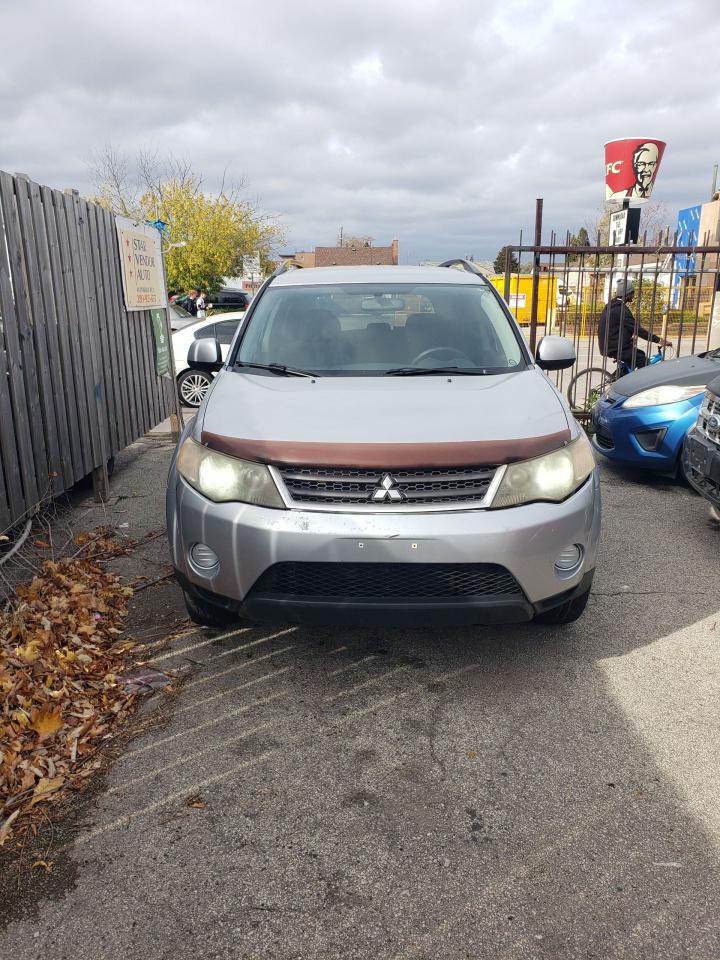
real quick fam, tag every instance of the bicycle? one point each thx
(588, 385)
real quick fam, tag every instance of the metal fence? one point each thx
(676, 298)
(77, 371)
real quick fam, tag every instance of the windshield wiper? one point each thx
(279, 368)
(422, 371)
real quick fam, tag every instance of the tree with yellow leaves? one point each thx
(207, 234)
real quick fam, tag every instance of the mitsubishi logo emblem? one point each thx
(387, 491)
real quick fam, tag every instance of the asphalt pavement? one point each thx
(488, 792)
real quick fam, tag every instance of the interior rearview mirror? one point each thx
(555, 353)
(205, 355)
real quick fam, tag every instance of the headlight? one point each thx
(552, 477)
(222, 478)
(664, 394)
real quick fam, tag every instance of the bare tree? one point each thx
(116, 185)
(654, 225)
(122, 182)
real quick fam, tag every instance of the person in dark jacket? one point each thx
(191, 302)
(618, 328)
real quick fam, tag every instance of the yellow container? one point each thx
(520, 299)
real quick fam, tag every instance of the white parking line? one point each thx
(351, 666)
(189, 731)
(367, 683)
(181, 761)
(238, 666)
(239, 686)
(199, 785)
(197, 646)
(246, 646)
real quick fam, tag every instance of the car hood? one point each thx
(683, 372)
(390, 421)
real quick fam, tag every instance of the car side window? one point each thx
(226, 331)
(205, 333)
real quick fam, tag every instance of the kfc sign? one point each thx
(631, 166)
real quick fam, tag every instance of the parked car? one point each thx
(180, 318)
(701, 456)
(194, 384)
(230, 299)
(227, 299)
(643, 418)
(379, 444)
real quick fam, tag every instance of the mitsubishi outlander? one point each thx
(380, 445)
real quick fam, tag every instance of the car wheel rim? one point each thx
(193, 389)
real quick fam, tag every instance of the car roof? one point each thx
(214, 318)
(385, 274)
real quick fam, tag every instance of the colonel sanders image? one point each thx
(645, 162)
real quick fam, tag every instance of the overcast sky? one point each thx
(438, 123)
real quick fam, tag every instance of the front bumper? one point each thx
(701, 461)
(249, 540)
(647, 437)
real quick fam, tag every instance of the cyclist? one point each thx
(618, 328)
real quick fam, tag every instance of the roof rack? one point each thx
(284, 267)
(467, 266)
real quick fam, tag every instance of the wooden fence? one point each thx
(77, 371)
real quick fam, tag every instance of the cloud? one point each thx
(435, 122)
(369, 70)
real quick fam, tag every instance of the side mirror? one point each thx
(555, 353)
(205, 355)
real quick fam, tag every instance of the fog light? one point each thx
(651, 440)
(203, 557)
(569, 558)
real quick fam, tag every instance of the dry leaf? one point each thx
(30, 652)
(45, 787)
(47, 865)
(5, 829)
(46, 721)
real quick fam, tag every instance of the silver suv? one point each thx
(380, 445)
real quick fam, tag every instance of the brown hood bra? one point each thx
(386, 456)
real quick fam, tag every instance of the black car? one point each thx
(229, 299)
(226, 300)
(701, 454)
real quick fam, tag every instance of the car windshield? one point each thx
(382, 329)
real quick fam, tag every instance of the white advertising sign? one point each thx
(142, 273)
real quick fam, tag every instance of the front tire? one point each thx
(586, 387)
(207, 614)
(567, 612)
(193, 386)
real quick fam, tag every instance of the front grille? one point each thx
(386, 581)
(709, 487)
(710, 408)
(359, 487)
(603, 439)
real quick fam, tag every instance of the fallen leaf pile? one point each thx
(61, 648)
(102, 543)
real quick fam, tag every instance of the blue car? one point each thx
(641, 420)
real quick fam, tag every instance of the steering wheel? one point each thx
(450, 353)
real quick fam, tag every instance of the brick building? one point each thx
(350, 254)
